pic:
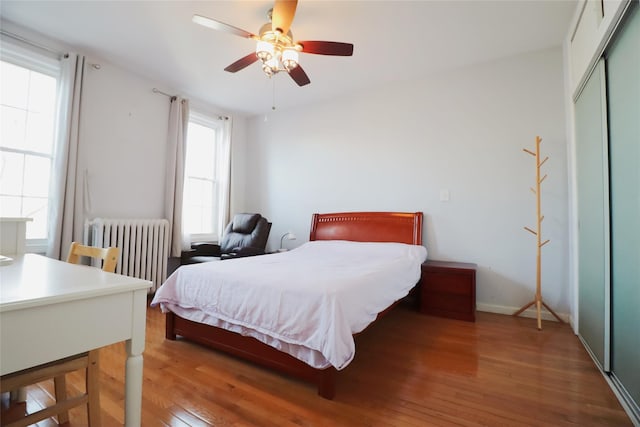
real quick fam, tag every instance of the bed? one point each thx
(339, 248)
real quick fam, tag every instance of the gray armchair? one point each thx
(245, 235)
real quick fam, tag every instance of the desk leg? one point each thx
(133, 391)
(133, 367)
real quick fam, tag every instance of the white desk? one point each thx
(51, 309)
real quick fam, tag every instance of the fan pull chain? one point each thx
(273, 104)
(273, 99)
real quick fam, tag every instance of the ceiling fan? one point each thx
(276, 48)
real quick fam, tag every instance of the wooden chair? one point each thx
(57, 370)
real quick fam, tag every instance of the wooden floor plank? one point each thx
(409, 370)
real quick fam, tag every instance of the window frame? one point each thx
(212, 122)
(49, 64)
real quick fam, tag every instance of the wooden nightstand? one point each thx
(448, 289)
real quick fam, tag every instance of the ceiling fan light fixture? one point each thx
(276, 48)
(267, 70)
(270, 67)
(264, 50)
(289, 59)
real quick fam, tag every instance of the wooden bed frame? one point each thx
(355, 226)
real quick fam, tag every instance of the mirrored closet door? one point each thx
(607, 119)
(623, 105)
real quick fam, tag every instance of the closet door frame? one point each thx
(606, 215)
(605, 363)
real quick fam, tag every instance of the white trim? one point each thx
(36, 246)
(572, 188)
(15, 219)
(27, 152)
(36, 60)
(606, 29)
(29, 57)
(216, 124)
(606, 217)
(204, 119)
(30, 43)
(576, 20)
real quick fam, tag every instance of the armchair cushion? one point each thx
(245, 223)
(257, 236)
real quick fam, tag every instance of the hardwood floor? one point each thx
(409, 370)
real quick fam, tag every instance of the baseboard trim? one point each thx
(530, 312)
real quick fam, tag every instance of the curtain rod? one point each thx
(156, 90)
(32, 43)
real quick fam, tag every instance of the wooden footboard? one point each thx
(251, 349)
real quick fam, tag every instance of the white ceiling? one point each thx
(394, 40)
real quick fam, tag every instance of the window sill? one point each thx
(36, 247)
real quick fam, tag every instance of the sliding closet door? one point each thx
(623, 90)
(593, 216)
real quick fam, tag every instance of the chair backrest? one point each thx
(245, 230)
(108, 255)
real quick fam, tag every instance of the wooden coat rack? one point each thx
(538, 233)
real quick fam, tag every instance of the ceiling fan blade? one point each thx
(299, 76)
(282, 15)
(242, 63)
(327, 48)
(221, 26)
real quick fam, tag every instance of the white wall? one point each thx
(123, 139)
(395, 149)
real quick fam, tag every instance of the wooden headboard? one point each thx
(401, 227)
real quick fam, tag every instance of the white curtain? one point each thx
(66, 201)
(174, 187)
(224, 169)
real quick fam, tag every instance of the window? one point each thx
(202, 178)
(28, 101)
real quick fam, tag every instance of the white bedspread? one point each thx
(307, 302)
